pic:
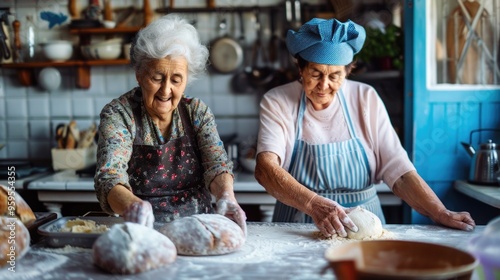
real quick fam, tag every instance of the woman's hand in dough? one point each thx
(227, 206)
(140, 212)
(330, 217)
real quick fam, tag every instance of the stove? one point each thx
(20, 172)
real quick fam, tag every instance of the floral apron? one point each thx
(169, 176)
(338, 171)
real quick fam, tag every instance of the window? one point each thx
(464, 45)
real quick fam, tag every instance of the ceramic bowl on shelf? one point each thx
(104, 50)
(58, 50)
(109, 24)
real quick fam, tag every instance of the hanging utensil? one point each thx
(226, 54)
(240, 81)
(260, 77)
(274, 41)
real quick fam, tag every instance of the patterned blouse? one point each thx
(117, 130)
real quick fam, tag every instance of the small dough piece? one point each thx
(23, 211)
(204, 234)
(131, 248)
(13, 233)
(369, 225)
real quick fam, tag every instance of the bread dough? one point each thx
(369, 225)
(23, 211)
(13, 233)
(131, 248)
(204, 234)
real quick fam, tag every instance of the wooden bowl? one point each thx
(398, 259)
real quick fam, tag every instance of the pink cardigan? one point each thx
(278, 115)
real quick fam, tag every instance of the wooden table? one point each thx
(272, 251)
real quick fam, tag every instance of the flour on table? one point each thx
(68, 249)
(335, 239)
(40, 263)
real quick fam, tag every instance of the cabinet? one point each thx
(82, 79)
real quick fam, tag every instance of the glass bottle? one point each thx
(31, 40)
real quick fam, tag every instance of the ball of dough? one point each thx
(204, 234)
(131, 248)
(14, 240)
(22, 209)
(369, 225)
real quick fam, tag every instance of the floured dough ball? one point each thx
(369, 225)
(204, 234)
(14, 240)
(22, 211)
(131, 248)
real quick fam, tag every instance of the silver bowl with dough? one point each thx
(399, 259)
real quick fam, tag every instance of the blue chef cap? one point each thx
(326, 41)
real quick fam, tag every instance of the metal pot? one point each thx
(226, 53)
(485, 165)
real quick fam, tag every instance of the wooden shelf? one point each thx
(100, 30)
(25, 70)
(82, 79)
(215, 10)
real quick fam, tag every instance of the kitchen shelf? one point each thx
(305, 7)
(215, 10)
(82, 79)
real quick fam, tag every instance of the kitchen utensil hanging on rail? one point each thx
(240, 81)
(226, 53)
(260, 77)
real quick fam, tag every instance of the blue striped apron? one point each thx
(338, 171)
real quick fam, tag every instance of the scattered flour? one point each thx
(68, 249)
(265, 243)
(34, 265)
(336, 240)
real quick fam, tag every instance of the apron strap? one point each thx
(137, 111)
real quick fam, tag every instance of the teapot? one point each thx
(485, 165)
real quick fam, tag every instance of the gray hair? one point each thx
(169, 35)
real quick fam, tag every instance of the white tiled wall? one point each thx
(29, 115)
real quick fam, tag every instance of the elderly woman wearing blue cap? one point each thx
(324, 140)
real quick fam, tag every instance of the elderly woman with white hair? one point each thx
(159, 155)
(324, 140)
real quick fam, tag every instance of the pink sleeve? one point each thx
(278, 113)
(391, 159)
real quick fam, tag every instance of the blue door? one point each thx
(452, 86)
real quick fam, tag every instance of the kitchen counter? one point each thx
(272, 251)
(487, 194)
(66, 187)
